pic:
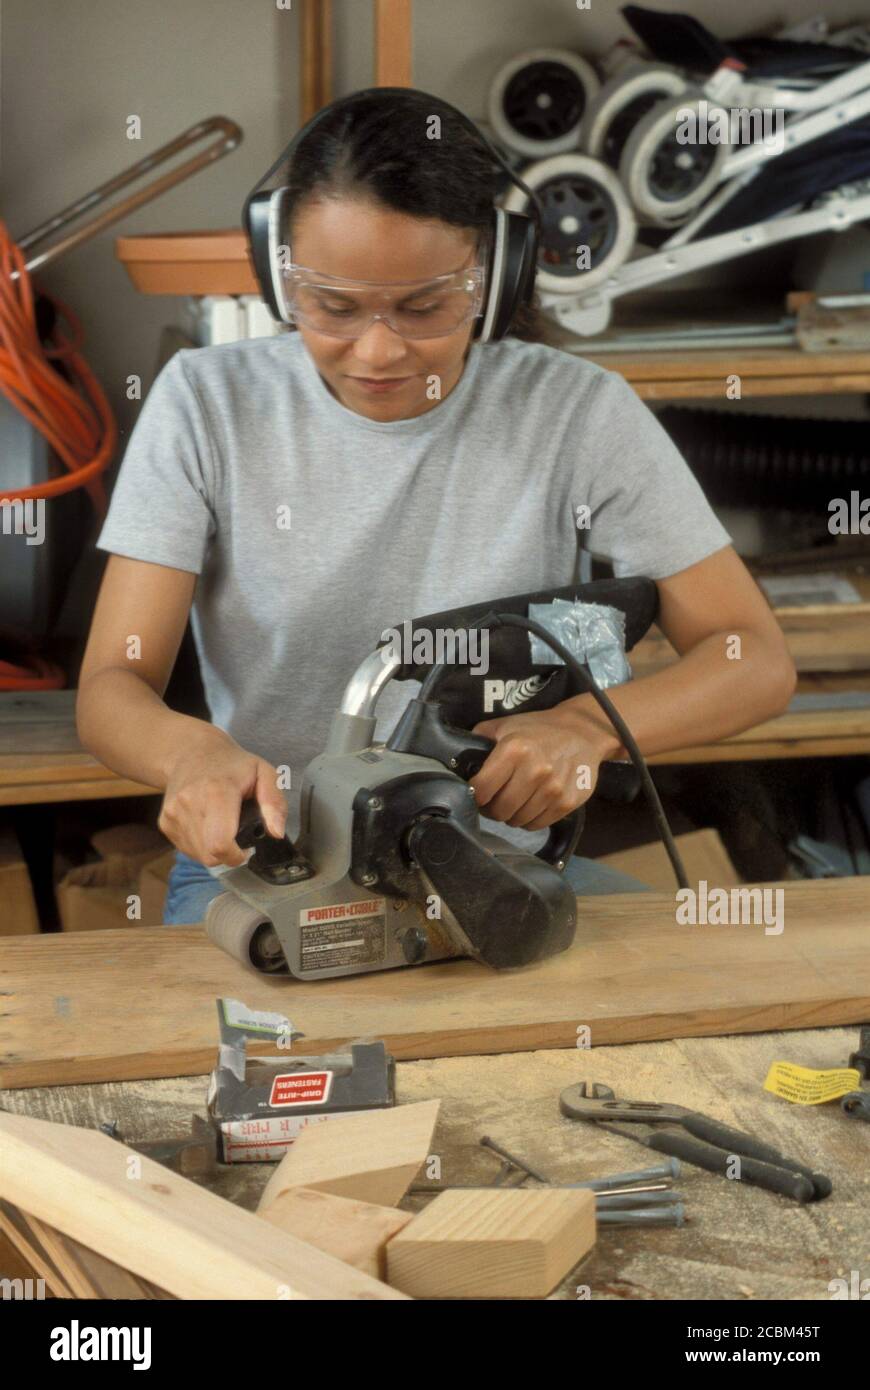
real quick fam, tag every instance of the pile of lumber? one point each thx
(95, 1219)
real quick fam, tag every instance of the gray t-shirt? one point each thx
(313, 529)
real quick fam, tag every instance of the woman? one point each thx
(300, 494)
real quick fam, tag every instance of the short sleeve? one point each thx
(161, 508)
(649, 515)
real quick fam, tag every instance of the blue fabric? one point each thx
(192, 887)
(190, 890)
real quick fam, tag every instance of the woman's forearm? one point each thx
(705, 696)
(126, 724)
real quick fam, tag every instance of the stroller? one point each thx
(656, 171)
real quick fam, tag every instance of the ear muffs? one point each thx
(263, 217)
(510, 275)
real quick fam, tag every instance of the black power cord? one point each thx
(590, 685)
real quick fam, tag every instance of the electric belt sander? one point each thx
(391, 866)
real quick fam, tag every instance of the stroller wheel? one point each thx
(665, 179)
(537, 101)
(582, 205)
(624, 100)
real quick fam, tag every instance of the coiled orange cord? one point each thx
(35, 674)
(74, 417)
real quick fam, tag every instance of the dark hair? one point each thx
(381, 144)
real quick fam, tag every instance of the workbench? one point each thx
(739, 1242)
(42, 761)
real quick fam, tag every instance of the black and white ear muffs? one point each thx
(510, 274)
(509, 281)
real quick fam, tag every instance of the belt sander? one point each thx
(391, 866)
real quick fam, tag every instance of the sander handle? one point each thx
(274, 860)
(422, 729)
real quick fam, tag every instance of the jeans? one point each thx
(192, 887)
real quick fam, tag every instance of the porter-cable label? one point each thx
(803, 1086)
(343, 934)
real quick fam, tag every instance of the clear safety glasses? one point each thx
(414, 309)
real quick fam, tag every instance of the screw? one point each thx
(664, 1216)
(369, 878)
(375, 803)
(671, 1169)
(628, 1201)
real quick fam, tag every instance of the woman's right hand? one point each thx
(204, 795)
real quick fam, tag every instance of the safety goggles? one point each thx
(342, 308)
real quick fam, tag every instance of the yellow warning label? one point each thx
(803, 1086)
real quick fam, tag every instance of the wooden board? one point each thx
(159, 1225)
(41, 758)
(372, 1156)
(16, 1229)
(109, 1005)
(493, 1243)
(393, 43)
(703, 374)
(702, 852)
(831, 639)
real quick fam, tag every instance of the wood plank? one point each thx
(751, 387)
(372, 1156)
(393, 43)
(80, 1282)
(88, 1274)
(160, 1225)
(493, 1243)
(315, 72)
(706, 363)
(356, 1232)
(109, 1005)
(92, 789)
(14, 1265)
(15, 1227)
(832, 639)
(828, 745)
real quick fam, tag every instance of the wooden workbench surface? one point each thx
(43, 761)
(739, 1242)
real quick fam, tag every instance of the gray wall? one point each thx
(73, 71)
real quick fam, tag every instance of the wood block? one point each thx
(701, 851)
(18, 915)
(493, 1243)
(355, 1232)
(372, 1156)
(159, 1225)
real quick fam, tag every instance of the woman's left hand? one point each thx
(543, 766)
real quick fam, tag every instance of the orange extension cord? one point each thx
(78, 423)
(75, 418)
